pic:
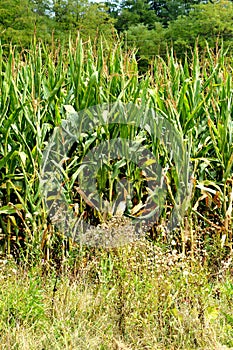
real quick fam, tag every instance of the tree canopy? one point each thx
(149, 25)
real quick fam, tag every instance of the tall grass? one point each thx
(193, 96)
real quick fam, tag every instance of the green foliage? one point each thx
(180, 30)
(207, 22)
(170, 10)
(68, 13)
(194, 98)
(178, 23)
(35, 87)
(135, 296)
(20, 21)
(182, 24)
(134, 13)
(96, 22)
(20, 306)
(150, 43)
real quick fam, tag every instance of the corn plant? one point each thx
(41, 87)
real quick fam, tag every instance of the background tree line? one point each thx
(149, 25)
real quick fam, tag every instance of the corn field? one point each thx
(194, 96)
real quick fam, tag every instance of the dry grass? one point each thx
(133, 297)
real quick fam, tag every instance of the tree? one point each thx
(17, 21)
(207, 22)
(148, 42)
(21, 19)
(169, 10)
(133, 13)
(41, 7)
(96, 21)
(67, 13)
(113, 8)
(72, 16)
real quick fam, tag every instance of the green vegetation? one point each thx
(131, 298)
(194, 97)
(148, 25)
(52, 20)
(165, 291)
